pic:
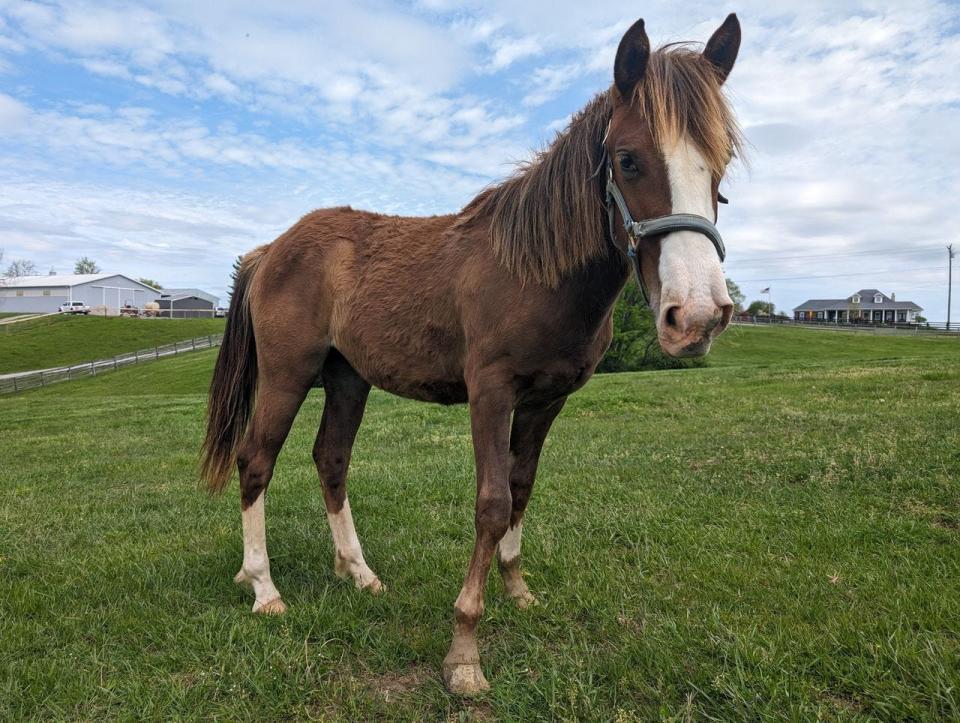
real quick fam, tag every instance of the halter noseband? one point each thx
(637, 230)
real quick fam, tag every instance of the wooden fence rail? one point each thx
(22, 381)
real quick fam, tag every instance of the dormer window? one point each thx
(878, 299)
(855, 299)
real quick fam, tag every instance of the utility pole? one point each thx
(949, 284)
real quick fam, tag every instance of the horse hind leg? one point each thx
(278, 399)
(346, 397)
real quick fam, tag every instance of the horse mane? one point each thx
(548, 218)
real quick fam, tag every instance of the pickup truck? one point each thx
(74, 307)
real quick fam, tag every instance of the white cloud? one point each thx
(13, 114)
(850, 106)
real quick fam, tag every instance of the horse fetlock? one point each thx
(515, 585)
(363, 577)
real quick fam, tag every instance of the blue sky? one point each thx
(162, 139)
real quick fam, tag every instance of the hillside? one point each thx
(792, 346)
(738, 542)
(61, 340)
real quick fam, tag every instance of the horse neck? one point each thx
(596, 287)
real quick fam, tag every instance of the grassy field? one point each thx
(60, 340)
(773, 538)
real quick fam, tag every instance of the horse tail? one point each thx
(234, 385)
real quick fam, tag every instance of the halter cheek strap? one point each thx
(659, 226)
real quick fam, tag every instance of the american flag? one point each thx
(765, 291)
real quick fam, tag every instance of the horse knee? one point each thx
(493, 515)
(331, 467)
(255, 469)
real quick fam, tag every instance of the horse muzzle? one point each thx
(688, 330)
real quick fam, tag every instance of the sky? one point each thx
(162, 139)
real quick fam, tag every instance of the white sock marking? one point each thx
(349, 555)
(256, 564)
(509, 548)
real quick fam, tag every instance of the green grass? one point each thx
(8, 314)
(780, 345)
(60, 340)
(730, 543)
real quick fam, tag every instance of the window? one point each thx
(878, 299)
(855, 299)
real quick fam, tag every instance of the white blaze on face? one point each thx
(690, 271)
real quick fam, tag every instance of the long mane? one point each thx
(548, 218)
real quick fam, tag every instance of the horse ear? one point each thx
(631, 62)
(723, 46)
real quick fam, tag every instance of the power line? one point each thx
(850, 253)
(833, 276)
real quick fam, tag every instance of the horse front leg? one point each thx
(490, 411)
(530, 428)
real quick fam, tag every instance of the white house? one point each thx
(105, 293)
(866, 305)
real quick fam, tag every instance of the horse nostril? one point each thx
(671, 317)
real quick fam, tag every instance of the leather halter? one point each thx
(658, 226)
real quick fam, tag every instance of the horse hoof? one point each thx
(374, 587)
(525, 600)
(273, 607)
(465, 679)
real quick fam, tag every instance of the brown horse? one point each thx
(505, 306)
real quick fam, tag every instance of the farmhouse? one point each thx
(103, 293)
(188, 302)
(864, 306)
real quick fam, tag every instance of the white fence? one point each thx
(31, 380)
(937, 328)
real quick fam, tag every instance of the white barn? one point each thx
(104, 293)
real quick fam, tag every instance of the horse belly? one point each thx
(424, 366)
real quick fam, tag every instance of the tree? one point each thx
(760, 308)
(920, 319)
(635, 345)
(86, 266)
(736, 296)
(21, 267)
(150, 282)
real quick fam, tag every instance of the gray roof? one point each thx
(175, 294)
(61, 280)
(866, 303)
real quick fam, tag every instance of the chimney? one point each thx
(53, 272)
(893, 296)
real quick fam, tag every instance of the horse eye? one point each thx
(626, 164)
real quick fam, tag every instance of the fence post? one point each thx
(194, 342)
(210, 339)
(136, 356)
(15, 385)
(69, 369)
(42, 383)
(114, 364)
(156, 352)
(93, 368)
